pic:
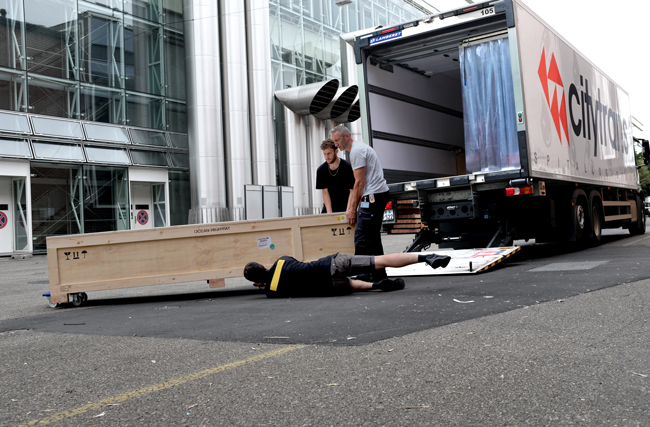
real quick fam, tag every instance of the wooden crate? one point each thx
(123, 259)
(407, 218)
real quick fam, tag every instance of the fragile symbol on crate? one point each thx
(341, 231)
(75, 255)
(143, 217)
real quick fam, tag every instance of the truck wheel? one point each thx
(638, 227)
(597, 220)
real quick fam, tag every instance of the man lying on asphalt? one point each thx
(331, 275)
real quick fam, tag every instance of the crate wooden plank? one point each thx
(133, 258)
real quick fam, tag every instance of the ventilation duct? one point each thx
(308, 99)
(342, 101)
(352, 114)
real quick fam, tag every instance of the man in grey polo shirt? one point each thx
(369, 196)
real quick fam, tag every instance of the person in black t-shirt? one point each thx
(330, 275)
(335, 177)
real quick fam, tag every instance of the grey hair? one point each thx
(341, 129)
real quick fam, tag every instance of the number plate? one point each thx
(487, 11)
(389, 215)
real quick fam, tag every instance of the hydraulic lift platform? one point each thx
(463, 261)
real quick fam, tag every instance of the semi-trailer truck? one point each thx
(498, 128)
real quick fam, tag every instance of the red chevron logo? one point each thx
(550, 77)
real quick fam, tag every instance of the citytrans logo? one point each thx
(550, 78)
(589, 115)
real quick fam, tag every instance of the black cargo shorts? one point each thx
(345, 265)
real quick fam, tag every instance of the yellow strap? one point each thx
(276, 275)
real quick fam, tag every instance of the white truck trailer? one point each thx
(499, 128)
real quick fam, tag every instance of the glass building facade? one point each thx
(94, 102)
(305, 42)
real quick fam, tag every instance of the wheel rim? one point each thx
(580, 216)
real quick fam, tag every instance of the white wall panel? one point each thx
(397, 117)
(414, 158)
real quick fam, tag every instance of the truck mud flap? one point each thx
(463, 261)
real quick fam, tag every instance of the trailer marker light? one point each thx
(469, 9)
(388, 30)
(518, 191)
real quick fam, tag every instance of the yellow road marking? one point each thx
(158, 387)
(636, 241)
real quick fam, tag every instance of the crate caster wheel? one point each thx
(77, 299)
(84, 296)
(52, 304)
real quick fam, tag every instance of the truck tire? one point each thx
(596, 221)
(639, 226)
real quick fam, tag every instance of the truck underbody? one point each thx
(482, 215)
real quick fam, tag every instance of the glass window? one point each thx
(15, 148)
(106, 133)
(180, 160)
(53, 97)
(274, 24)
(50, 41)
(151, 10)
(102, 105)
(144, 111)
(12, 34)
(178, 140)
(176, 116)
(291, 39)
(111, 4)
(107, 155)
(105, 201)
(143, 56)
(54, 127)
(60, 211)
(147, 137)
(13, 91)
(174, 64)
(14, 123)
(159, 205)
(173, 13)
(101, 47)
(149, 158)
(179, 197)
(51, 150)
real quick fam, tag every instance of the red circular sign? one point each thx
(3, 220)
(143, 217)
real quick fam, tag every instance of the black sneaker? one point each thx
(388, 285)
(436, 261)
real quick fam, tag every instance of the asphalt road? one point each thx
(556, 336)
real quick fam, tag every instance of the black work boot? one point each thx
(388, 285)
(436, 261)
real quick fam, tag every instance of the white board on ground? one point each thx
(463, 261)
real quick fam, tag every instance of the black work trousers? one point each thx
(367, 237)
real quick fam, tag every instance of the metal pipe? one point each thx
(261, 92)
(297, 161)
(236, 114)
(204, 112)
(316, 132)
(308, 99)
